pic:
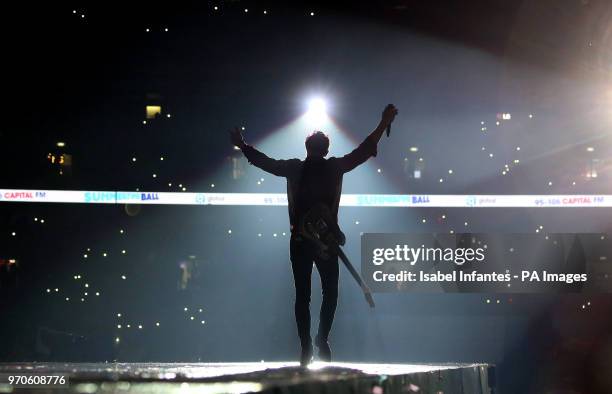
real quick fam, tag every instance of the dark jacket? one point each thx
(313, 180)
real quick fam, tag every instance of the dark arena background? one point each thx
(155, 292)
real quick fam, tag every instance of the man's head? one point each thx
(317, 144)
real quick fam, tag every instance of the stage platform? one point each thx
(263, 377)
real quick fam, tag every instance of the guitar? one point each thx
(318, 225)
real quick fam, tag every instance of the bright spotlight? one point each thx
(317, 111)
(317, 105)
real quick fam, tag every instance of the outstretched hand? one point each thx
(389, 114)
(236, 137)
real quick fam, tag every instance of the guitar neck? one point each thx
(366, 290)
(351, 269)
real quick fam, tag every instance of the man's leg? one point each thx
(328, 271)
(301, 264)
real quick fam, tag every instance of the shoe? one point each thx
(306, 356)
(324, 349)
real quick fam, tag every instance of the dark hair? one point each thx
(317, 143)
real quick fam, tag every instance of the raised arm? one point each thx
(257, 158)
(369, 146)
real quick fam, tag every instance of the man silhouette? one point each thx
(310, 182)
